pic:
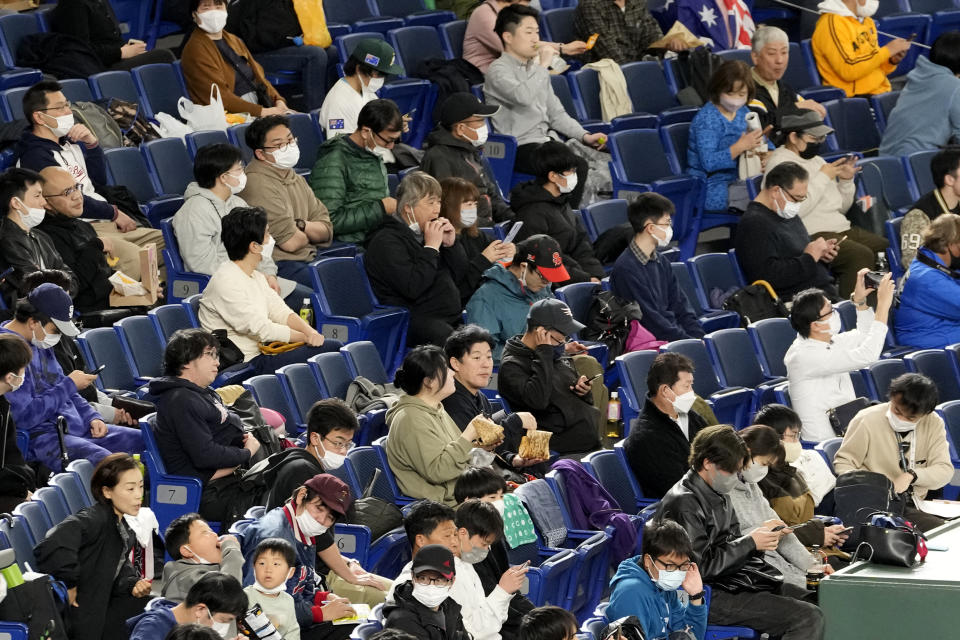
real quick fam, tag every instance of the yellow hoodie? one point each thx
(848, 55)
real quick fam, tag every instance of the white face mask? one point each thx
(268, 248)
(754, 473)
(274, 590)
(684, 401)
(241, 182)
(789, 210)
(430, 595)
(571, 183)
(19, 382)
(287, 157)
(482, 133)
(667, 236)
(64, 124)
(374, 85)
(32, 217)
(382, 152)
(309, 526)
(49, 340)
(213, 21)
(669, 580)
(899, 424)
(868, 9)
(468, 217)
(222, 628)
(332, 460)
(498, 504)
(196, 557)
(834, 325)
(731, 103)
(792, 450)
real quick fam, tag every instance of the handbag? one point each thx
(840, 416)
(891, 540)
(230, 354)
(313, 22)
(208, 117)
(627, 628)
(378, 515)
(275, 347)
(858, 495)
(754, 577)
(137, 408)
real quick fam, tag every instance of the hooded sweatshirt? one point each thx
(180, 575)
(155, 622)
(425, 450)
(501, 304)
(660, 612)
(927, 114)
(847, 53)
(542, 212)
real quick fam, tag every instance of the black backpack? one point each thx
(858, 495)
(757, 301)
(609, 321)
(696, 67)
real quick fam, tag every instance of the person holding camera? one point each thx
(929, 312)
(820, 359)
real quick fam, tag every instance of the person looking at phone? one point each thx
(700, 503)
(625, 29)
(821, 358)
(830, 194)
(648, 586)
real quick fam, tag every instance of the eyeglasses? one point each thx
(213, 353)
(58, 107)
(561, 340)
(66, 193)
(339, 445)
(282, 147)
(794, 198)
(669, 566)
(826, 315)
(426, 581)
(389, 142)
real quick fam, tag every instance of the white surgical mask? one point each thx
(382, 152)
(899, 424)
(482, 134)
(196, 557)
(474, 555)
(684, 401)
(374, 85)
(793, 451)
(332, 460)
(834, 325)
(64, 124)
(571, 183)
(415, 228)
(498, 504)
(669, 580)
(754, 473)
(287, 157)
(272, 591)
(468, 217)
(309, 526)
(241, 182)
(213, 21)
(32, 217)
(430, 595)
(731, 103)
(868, 9)
(664, 242)
(268, 248)
(19, 383)
(789, 210)
(222, 628)
(49, 340)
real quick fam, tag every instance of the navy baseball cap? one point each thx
(55, 303)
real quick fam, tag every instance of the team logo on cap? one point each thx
(70, 313)
(557, 260)
(371, 59)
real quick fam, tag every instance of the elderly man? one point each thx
(774, 97)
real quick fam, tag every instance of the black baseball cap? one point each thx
(554, 314)
(55, 303)
(435, 557)
(543, 251)
(461, 105)
(378, 54)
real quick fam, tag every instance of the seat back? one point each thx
(342, 287)
(69, 484)
(585, 85)
(366, 461)
(11, 101)
(55, 503)
(169, 318)
(159, 87)
(771, 339)
(309, 138)
(268, 393)
(647, 87)
(21, 540)
(675, 138)
(919, 162)
(192, 307)
(606, 467)
(633, 368)
(13, 29)
(302, 388)
(705, 380)
(640, 155)
(414, 45)
(114, 84)
(853, 123)
(732, 351)
(603, 215)
(363, 359)
(451, 36)
(397, 8)
(848, 314)
(126, 166)
(557, 25)
(168, 160)
(84, 471)
(579, 297)
(682, 274)
(798, 74)
(880, 374)
(892, 229)
(828, 449)
(102, 346)
(561, 89)
(332, 374)
(886, 177)
(936, 364)
(142, 345)
(950, 412)
(712, 271)
(346, 43)
(36, 516)
(882, 105)
(199, 139)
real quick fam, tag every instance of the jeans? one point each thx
(310, 61)
(786, 616)
(295, 270)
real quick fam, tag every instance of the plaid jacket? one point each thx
(624, 35)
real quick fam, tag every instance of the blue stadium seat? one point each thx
(713, 271)
(413, 12)
(332, 374)
(414, 45)
(904, 25)
(853, 124)
(359, 15)
(170, 496)
(346, 43)
(938, 365)
(237, 138)
(366, 461)
(363, 359)
(878, 376)
(675, 138)
(84, 471)
(943, 21)
(126, 166)
(167, 159)
(114, 84)
(69, 484)
(608, 468)
(501, 153)
(301, 389)
(379, 447)
(828, 449)
(451, 36)
(737, 363)
(950, 412)
(585, 88)
(882, 105)
(650, 93)
(709, 319)
(191, 305)
(309, 138)
(730, 404)
(639, 163)
(556, 25)
(603, 215)
(561, 89)
(18, 535)
(268, 393)
(892, 229)
(36, 516)
(197, 139)
(848, 314)
(180, 282)
(578, 296)
(102, 346)
(159, 87)
(142, 347)
(798, 74)
(13, 29)
(547, 584)
(346, 309)
(11, 100)
(411, 95)
(54, 503)
(168, 319)
(918, 164)
(632, 368)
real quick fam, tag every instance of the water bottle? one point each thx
(613, 416)
(816, 570)
(306, 312)
(9, 568)
(882, 264)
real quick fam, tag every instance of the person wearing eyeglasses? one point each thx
(821, 357)
(423, 605)
(773, 245)
(830, 194)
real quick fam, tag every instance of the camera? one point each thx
(871, 279)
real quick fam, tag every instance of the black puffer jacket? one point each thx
(448, 156)
(77, 243)
(264, 25)
(709, 518)
(541, 212)
(92, 21)
(422, 623)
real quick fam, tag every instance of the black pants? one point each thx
(428, 330)
(224, 501)
(264, 364)
(326, 631)
(154, 56)
(120, 609)
(921, 519)
(527, 163)
(788, 616)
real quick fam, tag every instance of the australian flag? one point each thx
(727, 24)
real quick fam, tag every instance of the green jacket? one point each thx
(425, 450)
(351, 182)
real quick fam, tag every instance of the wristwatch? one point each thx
(860, 303)
(301, 224)
(698, 596)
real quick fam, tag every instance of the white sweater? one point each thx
(246, 307)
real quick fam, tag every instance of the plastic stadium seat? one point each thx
(882, 105)
(878, 376)
(451, 36)
(731, 405)
(737, 364)
(180, 282)
(603, 215)
(301, 389)
(709, 319)
(168, 319)
(556, 25)
(159, 87)
(69, 484)
(853, 123)
(938, 365)
(366, 461)
(919, 165)
(885, 175)
(379, 447)
(798, 74)
(126, 166)
(11, 100)
(363, 359)
(943, 21)
(500, 151)
(579, 297)
(13, 29)
(346, 43)
(632, 368)
(414, 45)
(114, 84)
(170, 496)
(268, 393)
(54, 502)
(771, 339)
(561, 89)
(102, 346)
(413, 94)
(950, 412)
(904, 25)
(894, 251)
(828, 449)
(639, 163)
(142, 346)
(309, 138)
(358, 14)
(608, 468)
(36, 516)
(237, 138)
(649, 92)
(332, 374)
(413, 12)
(585, 88)
(17, 534)
(84, 471)
(713, 271)
(191, 305)
(170, 163)
(346, 309)
(197, 139)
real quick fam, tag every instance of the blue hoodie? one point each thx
(927, 114)
(154, 623)
(635, 594)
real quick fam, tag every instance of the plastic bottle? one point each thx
(816, 570)
(613, 416)
(306, 312)
(882, 264)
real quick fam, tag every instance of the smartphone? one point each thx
(409, 114)
(840, 241)
(97, 371)
(524, 565)
(592, 40)
(590, 381)
(781, 527)
(514, 230)
(847, 530)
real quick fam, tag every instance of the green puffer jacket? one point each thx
(351, 182)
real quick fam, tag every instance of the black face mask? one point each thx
(954, 263)
(812, 151)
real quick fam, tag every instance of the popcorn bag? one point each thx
(127, 292)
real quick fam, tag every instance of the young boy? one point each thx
(646, 586)
(273, 565)
(548, 623)
(215, 600)
(196, 550)
(424, 606)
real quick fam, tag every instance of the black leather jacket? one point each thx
(710, 521)
(27, 252)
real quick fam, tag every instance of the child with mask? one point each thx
(647, 586)
(273, 563)
(197, 550)
(214, 601)
(423, 604)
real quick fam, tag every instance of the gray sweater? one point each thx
(528, 106)
(180, 575)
